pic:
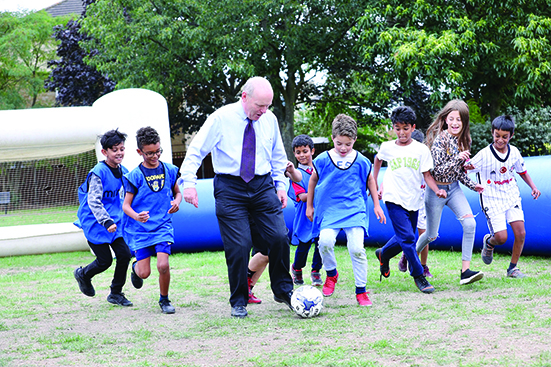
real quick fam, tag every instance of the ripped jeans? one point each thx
(458, 203)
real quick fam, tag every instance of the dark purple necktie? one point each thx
(248, 154)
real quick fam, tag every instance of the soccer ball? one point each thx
(307, 301)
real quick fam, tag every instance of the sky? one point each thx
(19, 5)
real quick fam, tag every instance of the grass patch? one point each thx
(63, 214)
(45, 320)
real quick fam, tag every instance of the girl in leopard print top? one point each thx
(449, 140)
(448, 159)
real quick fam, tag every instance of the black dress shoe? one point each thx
(239, 312)
(284, 298)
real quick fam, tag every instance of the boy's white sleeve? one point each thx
(427, 162)
(519, 162)
(382, 153)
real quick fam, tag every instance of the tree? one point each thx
(75, 82)
(497, 53)
(531, 136)
(198, 54)
(25, 47)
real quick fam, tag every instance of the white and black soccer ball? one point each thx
(307, 301)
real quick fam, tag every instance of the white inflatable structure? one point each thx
(53, 132)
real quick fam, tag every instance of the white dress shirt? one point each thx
(222, 135)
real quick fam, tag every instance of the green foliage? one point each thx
(309, 123)
(316, 122)
(481, 133)
(198, 54)
(26, 44)
(475, 115)
(495, 52)
(369, 138)
(532, 135)
(10, 99)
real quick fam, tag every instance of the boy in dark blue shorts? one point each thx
(152, 195)
(303, 148)
(100, 217)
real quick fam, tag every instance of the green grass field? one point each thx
(46, 321)
(65, 214)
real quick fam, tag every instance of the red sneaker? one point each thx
(329, 286)
(252, 297)
(363, 299)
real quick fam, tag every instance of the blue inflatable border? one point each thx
(196, 229)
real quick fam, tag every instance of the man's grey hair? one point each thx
(253, 82)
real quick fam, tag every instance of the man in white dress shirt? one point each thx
(262, 198)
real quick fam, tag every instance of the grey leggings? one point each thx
(458, 203)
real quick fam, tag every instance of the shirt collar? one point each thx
(304, 167)
(241, 111)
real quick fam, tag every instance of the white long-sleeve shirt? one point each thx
(222, 135)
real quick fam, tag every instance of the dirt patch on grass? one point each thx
(46, 321)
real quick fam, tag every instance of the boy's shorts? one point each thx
(255, 250)
(149, 251)
(499, 222)
(422, 218)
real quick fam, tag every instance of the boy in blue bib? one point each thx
(303, 148)
(100, 217)
(337, 200)
(152, 196)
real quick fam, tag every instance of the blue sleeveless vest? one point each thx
(113, 195)
(302, 227)
(340, 199)
(159, 226)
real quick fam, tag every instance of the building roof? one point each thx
(65, 7)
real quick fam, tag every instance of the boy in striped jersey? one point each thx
(495, 168)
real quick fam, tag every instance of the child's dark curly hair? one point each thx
(112, 138)
(302, 141)
(147, 136)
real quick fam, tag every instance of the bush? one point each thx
(532, 134)
(481, 133)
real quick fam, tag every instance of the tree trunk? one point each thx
(495, 108)
(285, 118)
(284, 109)
(287, 127)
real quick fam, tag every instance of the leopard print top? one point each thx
(448, 166)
